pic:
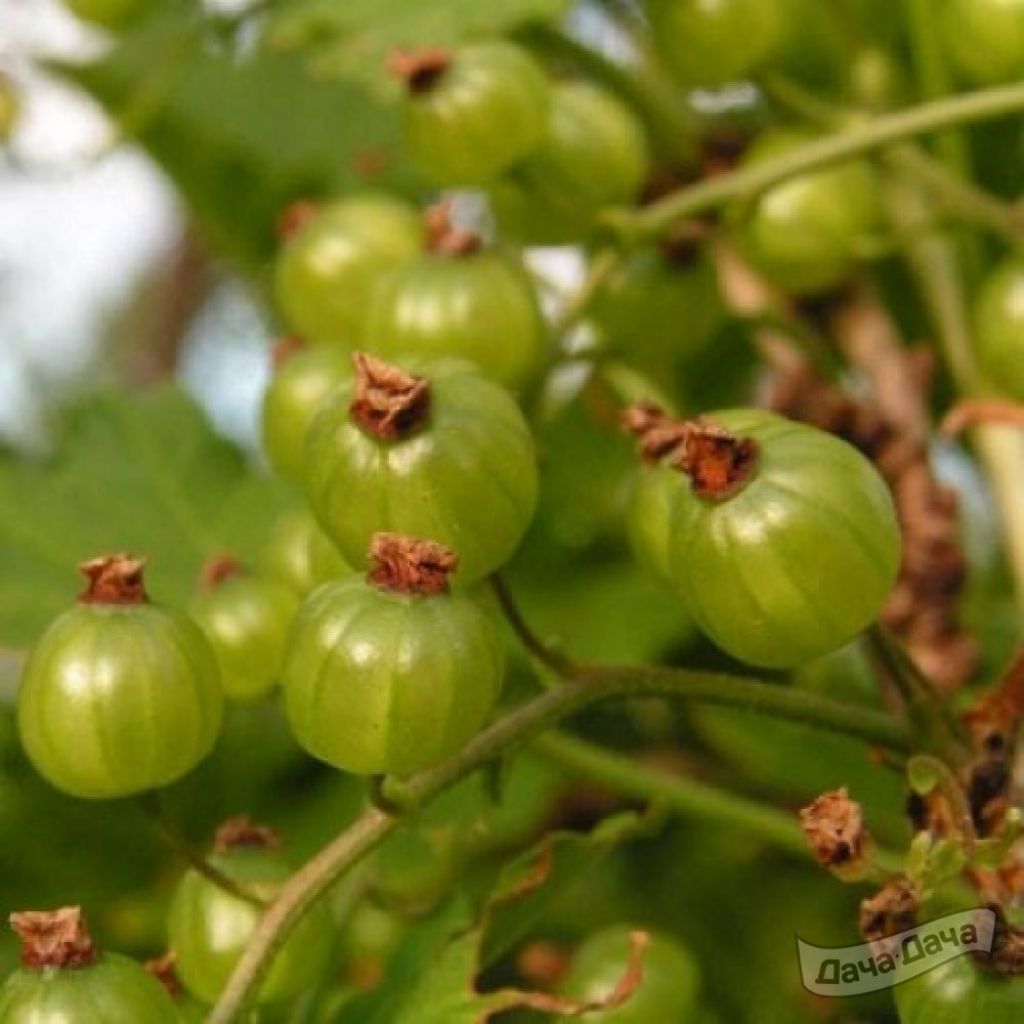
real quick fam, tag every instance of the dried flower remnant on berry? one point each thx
(890, 911)
(284, 348)
(294, 217)
(420, 70)
(406, 565)
(389, 403)
(992, 723)
(218, 569)
(834, 825)
(113, 579)
(1006, 956)
(658, 433)
(163, 969)
(53, 938)
(241, 832)
(445, 237)
(718, 463)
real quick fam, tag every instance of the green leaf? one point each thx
(352, 38)
(242, 134)
(144, 474)
(529, 884)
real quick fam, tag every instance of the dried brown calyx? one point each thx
(163, 969)
(992, 722)
(834, 825)
(218, 569)
(389, 403)
(421, 69)
(718, 463)
(890, 911)
(445, 237)
(284, 348)
(54, 938)
(406, 565)
(242, 833)
(1006, 956)
(113, 579)
(294, 217)
(657, 433)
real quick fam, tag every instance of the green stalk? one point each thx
(678, 793)
(879, 133)
(518, 727)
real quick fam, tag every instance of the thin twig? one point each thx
(518, 727)
(657, 218)
(557, 662)
(156, 809)
(678, 793)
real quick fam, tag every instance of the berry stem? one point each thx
(551, 659)
(878, 133)
(156, 809)
(679, 793)
(593, 685)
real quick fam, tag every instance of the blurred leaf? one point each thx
(352, 38)
(143, 474)
(241, 134)
(530, 883)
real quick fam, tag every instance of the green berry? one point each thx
(120, 695)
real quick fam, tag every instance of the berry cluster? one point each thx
(409, 418)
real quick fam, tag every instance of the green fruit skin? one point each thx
(298, 555)
(480, 307)
(595, 154)
(999, 327)
(984, 39)
(666, 995)
(383, 682)
(111, 990)
(653, 309)
(112, 14)
(119, 699)
(803, 234)
(467, 479)
(649, 522)
(327, 271)
(209, 928)
(713, 42)
(296, 392)
(486, 111)
(798, 561)
(958, 993)
(247, 619)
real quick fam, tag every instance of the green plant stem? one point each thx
(156, 809)
(960, 196)
(932, 75)
(956, 194)
(936, 727)
(878, 133)
(678, 793)
(550, 658)
(518, 727)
